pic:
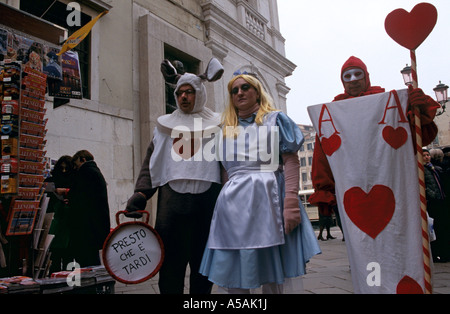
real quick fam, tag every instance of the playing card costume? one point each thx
(323, 180)
(187, 186)
(248, 246)
(364, 161)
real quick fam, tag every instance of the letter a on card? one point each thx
(395, 137)
(332, 143)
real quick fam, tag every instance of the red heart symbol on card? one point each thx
(395, 137)
(370, 212)
(411, 29)
(186, 148)
(409, 286)
(331, 144)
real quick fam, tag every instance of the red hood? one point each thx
(356, 62)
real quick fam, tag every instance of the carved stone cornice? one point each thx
(221, 26)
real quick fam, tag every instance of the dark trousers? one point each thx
(183, 222)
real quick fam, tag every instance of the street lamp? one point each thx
(441, 96)
(407, 75)
(440, 89)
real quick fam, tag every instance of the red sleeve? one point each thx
(322, 178)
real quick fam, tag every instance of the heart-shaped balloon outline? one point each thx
(410, 29)
(396, 138)
(370, 212)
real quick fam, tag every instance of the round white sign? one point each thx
(133, 252)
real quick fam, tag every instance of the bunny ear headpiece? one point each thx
(180, 120)
(170, 73)
(214, 71)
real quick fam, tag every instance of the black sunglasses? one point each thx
(243, 87)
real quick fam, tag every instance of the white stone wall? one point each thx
(127, 87)
(443, 123)
(107, 134)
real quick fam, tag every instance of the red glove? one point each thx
(416, 96)
(426, 105)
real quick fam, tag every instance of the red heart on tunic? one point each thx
(186, 148)
(411, 29)
(409, 286)
(395, 137)
(370, 212)
(331, 144)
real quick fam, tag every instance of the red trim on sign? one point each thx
(106, 246)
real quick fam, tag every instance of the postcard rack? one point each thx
(22, 163)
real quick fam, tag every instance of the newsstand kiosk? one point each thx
(25, 240)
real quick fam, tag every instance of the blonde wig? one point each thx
(230, 115)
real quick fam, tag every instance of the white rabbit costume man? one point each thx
(187, 184)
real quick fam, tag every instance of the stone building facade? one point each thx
(305, 154)
(124, 90)
(443, 123)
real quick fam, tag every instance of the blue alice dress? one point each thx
(247, 246)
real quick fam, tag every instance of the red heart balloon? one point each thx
(331, 144)
(411, 29)
(370, 212)
(395, 137)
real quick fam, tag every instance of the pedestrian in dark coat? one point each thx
(57, 187)
(89, 211)
(437, 208)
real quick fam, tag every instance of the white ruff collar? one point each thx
(178, 121)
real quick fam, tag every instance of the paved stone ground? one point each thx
(327, 273)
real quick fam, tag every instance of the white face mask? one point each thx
(353, 75)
